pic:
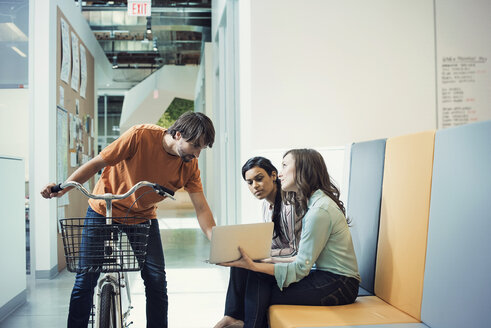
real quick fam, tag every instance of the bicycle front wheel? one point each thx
(107, 318)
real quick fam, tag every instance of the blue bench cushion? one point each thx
(457, 285)
(363, 206)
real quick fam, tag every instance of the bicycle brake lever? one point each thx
(163, 191)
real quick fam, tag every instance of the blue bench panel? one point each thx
(457, 285)
(364, 292)
(363, 205)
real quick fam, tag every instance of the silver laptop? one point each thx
(254, 238)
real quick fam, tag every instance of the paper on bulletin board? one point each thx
(61, 101)
(73, 130)
(75, 63)
(61, 215)
(61, 212)
(66, 55)
(87, 185)
(73, 158)
(62, 151)
(83, 71)
(62, 145)
(64, 200)
(87, 123)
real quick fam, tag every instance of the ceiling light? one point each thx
(10, 32)
(14, 48)
(115, 61)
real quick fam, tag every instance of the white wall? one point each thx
(332, 72)
(12, 234)
(204, 103)
(218, 8)
(42, 75)
(326, 73)
(14, 124)
(226, 116)
(42, 118)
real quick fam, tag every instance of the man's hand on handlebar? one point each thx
(48, 193)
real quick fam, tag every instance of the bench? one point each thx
(429, 226)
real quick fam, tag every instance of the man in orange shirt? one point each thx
(144, 153)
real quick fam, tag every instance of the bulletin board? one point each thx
(75, 117)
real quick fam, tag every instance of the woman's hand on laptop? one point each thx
(244, 262)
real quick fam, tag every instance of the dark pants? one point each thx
(250, 294)
(153, 274)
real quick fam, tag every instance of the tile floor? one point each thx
(196, 289)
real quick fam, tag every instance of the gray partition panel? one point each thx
(363, 206)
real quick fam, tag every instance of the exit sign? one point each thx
(139, 7)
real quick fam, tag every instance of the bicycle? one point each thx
(110, 248)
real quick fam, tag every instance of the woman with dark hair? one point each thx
(325, 242)
(262, 179)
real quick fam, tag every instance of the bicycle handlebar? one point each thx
(161, 190)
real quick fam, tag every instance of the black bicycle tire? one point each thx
(107, 309)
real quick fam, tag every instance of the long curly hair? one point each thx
(311, 175)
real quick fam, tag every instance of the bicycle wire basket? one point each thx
(91, 245)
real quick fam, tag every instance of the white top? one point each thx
(290, 226)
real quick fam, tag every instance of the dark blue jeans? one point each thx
(153, 274)
(250, 294)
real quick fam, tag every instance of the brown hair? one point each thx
(311, 175)
(194, 126)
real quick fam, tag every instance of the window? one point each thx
(109, 115)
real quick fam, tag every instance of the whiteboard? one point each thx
(463, 51)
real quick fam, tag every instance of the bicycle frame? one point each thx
(118, 279)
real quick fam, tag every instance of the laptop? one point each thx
(254, 238)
